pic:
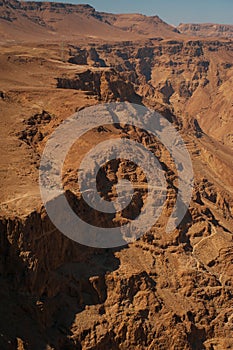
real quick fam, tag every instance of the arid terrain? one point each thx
(165, 291)
(207, 30)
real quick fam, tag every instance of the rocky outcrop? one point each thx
(33, 132)
(85, 56)
(107, 85)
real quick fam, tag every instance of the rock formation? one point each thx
(164, 291)
(207, 30)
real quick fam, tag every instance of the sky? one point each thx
(172, 11)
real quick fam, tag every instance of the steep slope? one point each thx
(35, 20)
(151, 26)
(193, 77)
(207, 30)
(51, 21)
(16, 25)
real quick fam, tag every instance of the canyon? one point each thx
(164, 291)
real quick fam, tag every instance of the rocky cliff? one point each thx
(207, 30)
(193, 78)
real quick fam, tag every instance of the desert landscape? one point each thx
(164, 291)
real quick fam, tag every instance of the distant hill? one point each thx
(207, 30)
(44, 20)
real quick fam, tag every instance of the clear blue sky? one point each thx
(172, 11)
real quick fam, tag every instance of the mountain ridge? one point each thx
(207, 29)
(51, 19)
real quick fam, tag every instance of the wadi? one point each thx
(164, 290)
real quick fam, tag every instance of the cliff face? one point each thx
(207, 30)
(193, 78)
(107, 85)
(165, 291)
